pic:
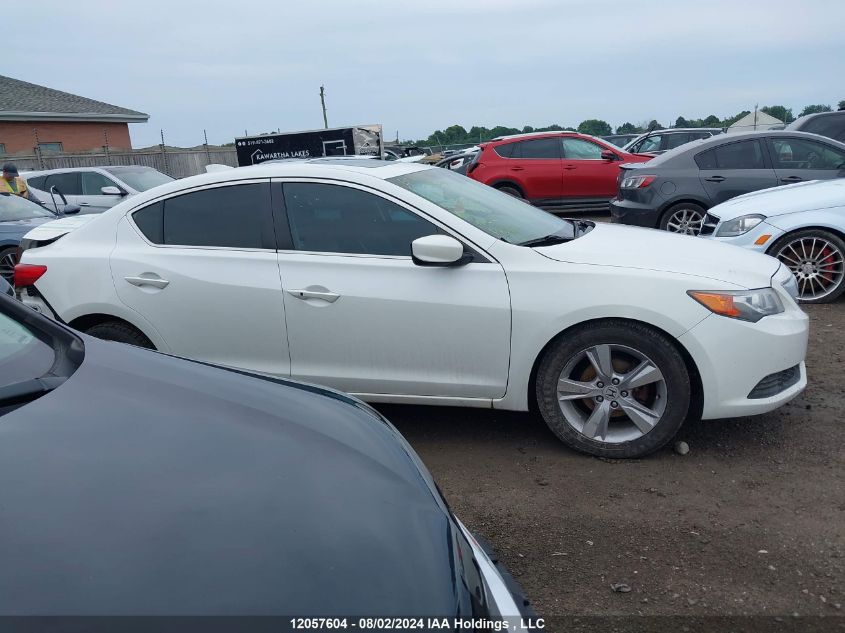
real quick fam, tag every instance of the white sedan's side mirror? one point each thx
(112, 191)
(439, 250)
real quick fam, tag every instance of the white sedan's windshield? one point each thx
(140, 178)
(497, 214)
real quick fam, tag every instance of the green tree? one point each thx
(711, 121)
(596, 127)
(779, 112)
(813, 109)
(682, 122)
(654, 125)
(733, 119)
(628, 128)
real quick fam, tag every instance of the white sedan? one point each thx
(410, 284)
(803, 225)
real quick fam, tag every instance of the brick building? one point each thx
(35, 116)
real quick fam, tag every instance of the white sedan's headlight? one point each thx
(746, 305)
(739, 225)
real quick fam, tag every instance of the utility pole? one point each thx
(163, 154)
(323, 103)
(205, 144)
(106, 146)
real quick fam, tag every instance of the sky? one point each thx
(419, 65)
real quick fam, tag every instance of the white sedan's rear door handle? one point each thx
(330, 297)
(156, 282)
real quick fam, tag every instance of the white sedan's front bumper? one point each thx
(749, 240)
(734, 356)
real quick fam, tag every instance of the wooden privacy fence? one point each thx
(177, 163)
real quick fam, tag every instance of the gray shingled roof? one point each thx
(23, 101)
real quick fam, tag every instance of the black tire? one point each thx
(8, 259)
(510, 190)
(654, 345)
(691, 208)
(119, 332)
(818, 236)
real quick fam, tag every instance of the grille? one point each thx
(773, 384)
(709, 225)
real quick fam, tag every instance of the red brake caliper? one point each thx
(827, 275)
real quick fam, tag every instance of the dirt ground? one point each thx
(750, 522)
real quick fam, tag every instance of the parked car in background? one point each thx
(660, 141)
(620, 140)
(94, 189)
(411, 284)
(458, 162)
(190, 489)
(553, 170)
(829, 124)
(802, 225)
(674, 191)
(18, 216)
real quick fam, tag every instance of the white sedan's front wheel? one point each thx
(614, 389)
(817, 260)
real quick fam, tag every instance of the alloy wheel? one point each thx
(686, 221)
(816, 263)
(612, 393)
(7, 266)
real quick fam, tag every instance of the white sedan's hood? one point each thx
(650, 249)
(803, 196)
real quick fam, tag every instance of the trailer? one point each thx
(360, 140)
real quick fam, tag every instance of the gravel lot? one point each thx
(750, 522)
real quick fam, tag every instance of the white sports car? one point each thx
(803, 225)
(411, 284)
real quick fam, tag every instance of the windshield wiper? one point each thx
(29, 390)
(546, 240)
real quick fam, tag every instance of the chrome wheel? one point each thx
(686, 221)
(8, 259)
(611, 393)
(817, 264)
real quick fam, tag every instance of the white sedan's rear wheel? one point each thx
(614, 389)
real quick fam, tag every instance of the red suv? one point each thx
(553, 170)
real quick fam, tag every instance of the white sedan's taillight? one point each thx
(28, 274)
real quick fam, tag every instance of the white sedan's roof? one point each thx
(317, 168)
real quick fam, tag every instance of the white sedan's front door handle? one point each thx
(156, 282)
(304, 293)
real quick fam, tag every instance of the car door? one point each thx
(734, 168)
(92, 199)
(536, 164)
(363, 318)
(797, 159)
(650, 144)
(671, 141)
(201, 268)
(585, 173)
(68, 184)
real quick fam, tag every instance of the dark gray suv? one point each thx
(829, 124)
(674, 190)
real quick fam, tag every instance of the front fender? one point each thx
(547, 304)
